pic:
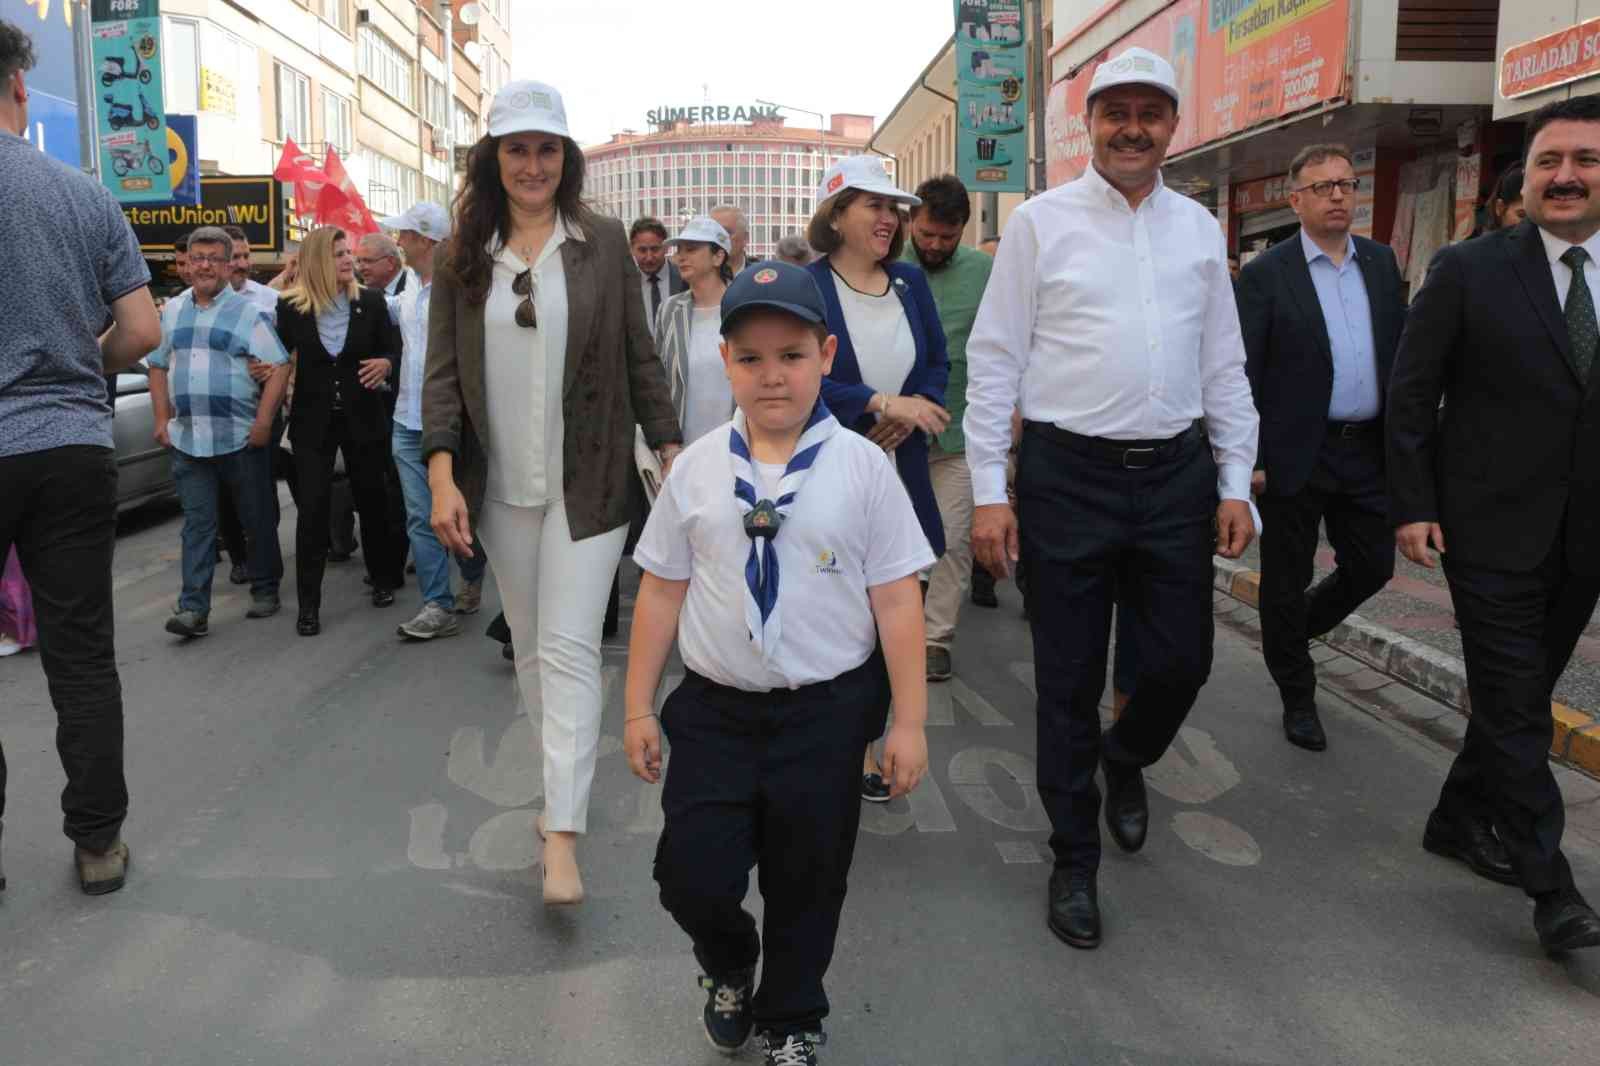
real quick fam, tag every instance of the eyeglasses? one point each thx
(208, 260)
(1324, 189)
(366, 261)
(522, 285)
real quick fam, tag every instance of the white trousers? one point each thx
(554, 593)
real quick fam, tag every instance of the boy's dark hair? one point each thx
(825, 240)
(181, 244)
(16, 51)
(818, 329)
(646, 225)
(1578, 109)
(945, 200)
(1312, 154)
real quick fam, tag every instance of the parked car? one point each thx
(144, 470)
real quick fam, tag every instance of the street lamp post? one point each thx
(822, 122)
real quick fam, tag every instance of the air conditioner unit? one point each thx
(363, 16)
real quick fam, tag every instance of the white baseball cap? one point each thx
(706, 229)
(428, 219)
(864, 172)
(528, 107)
(1136, 66)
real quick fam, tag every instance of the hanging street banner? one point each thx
(1554, 59)
(1240, 63)
(992, 96)
(130, 123)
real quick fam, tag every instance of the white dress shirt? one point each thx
(523, 374)
(1555, 248)
(264, 297)
(409, 311)
(1109, 322)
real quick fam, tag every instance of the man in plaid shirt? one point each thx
(218, 422)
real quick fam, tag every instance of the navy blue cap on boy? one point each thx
(781, 286)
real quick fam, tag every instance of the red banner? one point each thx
(1553, 59)
(1239, 63)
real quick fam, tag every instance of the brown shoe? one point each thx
(102, 872)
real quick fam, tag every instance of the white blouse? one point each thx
(708, 400)
(881, 335)
(523, 373)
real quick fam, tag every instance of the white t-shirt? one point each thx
(851, 528)
(881, 335)
(523, 370)
(708, 400)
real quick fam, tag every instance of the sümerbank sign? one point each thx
(705, 113)
(1246, 21)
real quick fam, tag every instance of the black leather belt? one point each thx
(1347, 430)
(1128, 454)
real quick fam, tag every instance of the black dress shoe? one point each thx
(1074, 911)
(1565, 922)
(1127, 806)
(338, 555)
(1471, 840)
(382, 597)
(1303, 728)
(308, 625)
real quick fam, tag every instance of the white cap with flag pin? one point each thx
(1136, 66)
(863, 172)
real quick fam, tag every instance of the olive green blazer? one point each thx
(612, 380)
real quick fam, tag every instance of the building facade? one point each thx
(685, 168)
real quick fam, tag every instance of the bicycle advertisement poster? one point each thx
(130, 120)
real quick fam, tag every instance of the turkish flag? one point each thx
(300, 169)
(340, 204)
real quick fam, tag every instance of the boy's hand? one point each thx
(905, 758)
(641, 741)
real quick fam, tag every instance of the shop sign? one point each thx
(130, 124)
(217, 92)
(1554, 59)
(1268, 194)
(991, 96)
(254, 204)
(719, 113)
(1240, 63)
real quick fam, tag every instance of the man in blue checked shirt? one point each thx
(218, 422)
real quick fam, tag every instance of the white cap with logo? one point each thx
(1136, 66)
(705, 229)
(528, 107)
(864, 172)
(428, 219)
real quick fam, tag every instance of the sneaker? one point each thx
(470, 598)
(9, 646)
(188, 624)
(103, 872)
(263, 606)
(432, 621)
(727, 1014)
(793, 1049)
(938, 663)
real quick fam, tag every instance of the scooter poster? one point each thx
(992, 96)
(130, 121)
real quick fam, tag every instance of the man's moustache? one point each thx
(1553, 191)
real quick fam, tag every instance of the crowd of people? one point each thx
(805, 456)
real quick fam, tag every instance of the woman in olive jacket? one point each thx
(539, 365)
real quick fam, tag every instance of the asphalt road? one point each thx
(333, 864)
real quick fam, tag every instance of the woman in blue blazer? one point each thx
(891, 367)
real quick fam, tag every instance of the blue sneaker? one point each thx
(727, 1014)
(792, 1049)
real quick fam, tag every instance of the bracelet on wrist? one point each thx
(638, 718)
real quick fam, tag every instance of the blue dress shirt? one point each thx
(1342, 292)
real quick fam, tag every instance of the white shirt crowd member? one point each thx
(1109, 322)
(527, 367)
(708, 397)
(881, 336)
(265, 297)
(852, 528)
(410, 312)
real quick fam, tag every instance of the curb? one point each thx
(1430, 671)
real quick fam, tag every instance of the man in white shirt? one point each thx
(1110, 321)
(263, 296)
(738, 226)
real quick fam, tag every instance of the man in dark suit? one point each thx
(658, 278)
(1504, 483)
(1321, 315)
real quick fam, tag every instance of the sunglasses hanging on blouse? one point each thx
(522, 285)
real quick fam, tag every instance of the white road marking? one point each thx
(514, 779)
(508, 841)
(1216, 838)
(1017, 851)
(427, 837)
(969, 780)
(1201, 781)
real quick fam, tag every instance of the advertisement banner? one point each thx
(52, 85)
(183, 158)
(992, 96)
(130, 123)
(1239, 63)
(1553, 59)
(254, 204)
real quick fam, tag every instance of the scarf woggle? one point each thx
(764, 518)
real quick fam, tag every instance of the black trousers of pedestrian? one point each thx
(1096, 534)
(770, 780)
(364, 463)
(1518, 631)
(1347, 491)
(59, 507)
